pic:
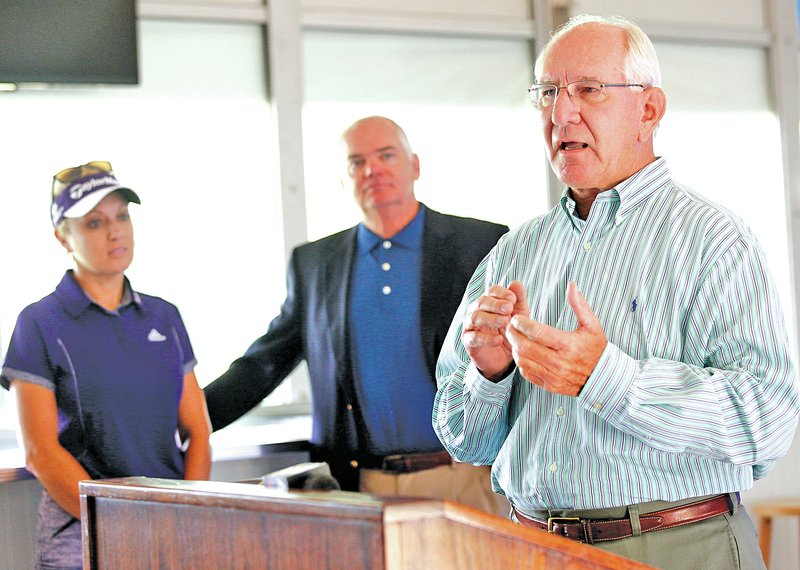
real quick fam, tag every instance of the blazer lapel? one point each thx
(338, 267)
(436, 282)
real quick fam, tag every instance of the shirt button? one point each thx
(354, 464)
(553, 468)
(349, 407)
(598, 406)
(386, 290)
(386, 266)
(587, 246)
(387, 244)
(560, 412)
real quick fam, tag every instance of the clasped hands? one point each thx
(498, 334)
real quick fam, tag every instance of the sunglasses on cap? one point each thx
(74, 172)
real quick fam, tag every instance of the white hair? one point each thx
(641, 62)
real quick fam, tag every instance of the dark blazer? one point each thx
(312, 325)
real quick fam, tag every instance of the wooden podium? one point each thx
(142, 523)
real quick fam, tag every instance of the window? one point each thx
(463, 103)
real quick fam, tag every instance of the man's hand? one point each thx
(556, 360)
(484, 332)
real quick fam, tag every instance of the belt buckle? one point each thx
(394, 464)
(554, 520)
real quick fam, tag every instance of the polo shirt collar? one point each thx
(410, 237)
(75, 299)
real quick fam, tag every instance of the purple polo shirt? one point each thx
(117, 377)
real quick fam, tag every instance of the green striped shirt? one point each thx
(695, 393)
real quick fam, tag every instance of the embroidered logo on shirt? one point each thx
(633, 306)
(155, 336)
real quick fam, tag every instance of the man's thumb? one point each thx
(521, 304)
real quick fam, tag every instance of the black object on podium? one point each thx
(301, 476)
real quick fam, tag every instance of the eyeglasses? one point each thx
(544, 95)
(71, 174)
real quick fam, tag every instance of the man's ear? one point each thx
(62, 240)
(655, 105)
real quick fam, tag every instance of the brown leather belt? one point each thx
(600, 530)
(412, 462)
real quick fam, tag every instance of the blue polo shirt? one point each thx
(394, 388)
(117, 377)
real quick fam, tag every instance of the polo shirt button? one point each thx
(354, 464)
(560, 412)
(587, 246)
(387, 244)
(553, 468)
(386, 290)
(349, 407)
(386, 266)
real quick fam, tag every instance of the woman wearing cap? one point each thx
(103, 375)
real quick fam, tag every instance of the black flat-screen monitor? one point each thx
(68, 41)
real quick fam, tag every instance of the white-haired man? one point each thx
(628, 413)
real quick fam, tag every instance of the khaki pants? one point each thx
(459, 482)
(725, 542)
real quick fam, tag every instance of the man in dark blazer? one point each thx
(368, 309)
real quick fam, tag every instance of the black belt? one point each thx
(600, 530)
(410, 463)
(403, 462)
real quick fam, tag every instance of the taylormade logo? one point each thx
(77, 191)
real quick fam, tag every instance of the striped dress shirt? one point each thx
(694, 394)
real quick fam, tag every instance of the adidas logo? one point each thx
(155, 336)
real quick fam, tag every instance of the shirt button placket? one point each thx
(553, 467)
(386, 266)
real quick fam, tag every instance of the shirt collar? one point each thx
(410, 237)
(631, 192)
(76, 300)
